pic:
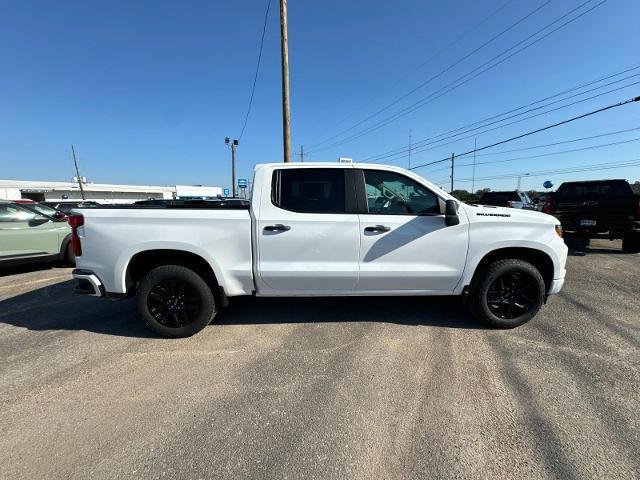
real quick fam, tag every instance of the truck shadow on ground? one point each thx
(56, 307)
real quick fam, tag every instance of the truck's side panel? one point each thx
(111, 237)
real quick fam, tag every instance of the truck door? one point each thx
(405, 244)
(307, 233)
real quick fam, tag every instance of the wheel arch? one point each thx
(538, 258)
(144, 261)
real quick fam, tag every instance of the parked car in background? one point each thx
(42, 209)
(597, 208)
(27, 236)
(509, 199)
(65, 207)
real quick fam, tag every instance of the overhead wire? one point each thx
(486, 66)
(255, 77)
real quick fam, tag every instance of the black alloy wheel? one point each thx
(512, 295)
(507, 293)
(176, 301)
(173, 303)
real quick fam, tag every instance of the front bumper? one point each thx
(556, 286)
(88, 283)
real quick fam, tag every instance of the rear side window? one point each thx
(309, 190)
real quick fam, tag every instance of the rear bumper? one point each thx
(602, 226)
(88, 283)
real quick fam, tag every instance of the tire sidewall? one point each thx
(494, 272)
(203, 291)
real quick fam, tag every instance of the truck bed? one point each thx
(221, 234)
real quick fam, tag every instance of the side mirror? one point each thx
(451, 213)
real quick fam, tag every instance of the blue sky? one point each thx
(147, 90)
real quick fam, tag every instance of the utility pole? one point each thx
(301, 153)
(409, 149)
(453, 160)
(75, 162)
(233, 145)
(284, 45)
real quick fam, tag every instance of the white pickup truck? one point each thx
(319, 229)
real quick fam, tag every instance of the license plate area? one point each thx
(587, 223)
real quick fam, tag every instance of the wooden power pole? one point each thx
(301, 153)
(78, 177)
(284, 42)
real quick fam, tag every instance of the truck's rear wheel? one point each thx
(508, 293)
(174, 301)
(631, 243)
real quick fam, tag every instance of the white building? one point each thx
(99, 192)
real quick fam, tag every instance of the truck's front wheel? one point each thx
(507, 293)
(174, 301)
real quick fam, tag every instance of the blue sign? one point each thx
(547, 184)
(226, 192)
(242, 183)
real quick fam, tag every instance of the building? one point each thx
(99, 192)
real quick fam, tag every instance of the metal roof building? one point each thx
(99, 192)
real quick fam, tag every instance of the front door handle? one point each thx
(377, 228)
(278, 227)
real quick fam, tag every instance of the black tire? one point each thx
(175, 302)
(631, 243)
(507, 293)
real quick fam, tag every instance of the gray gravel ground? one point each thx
(324, 388)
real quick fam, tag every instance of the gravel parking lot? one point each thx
(324, 388)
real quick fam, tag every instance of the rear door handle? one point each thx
(278, 227)
(377, 228)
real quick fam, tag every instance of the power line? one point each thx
(426, 62)
(538, 130)
(573, 140)
(539, 173)
(462, 80)
(425, 149)
(442, 72)
(548, 145)
(551, 154)
(482, 123)
(255, 78)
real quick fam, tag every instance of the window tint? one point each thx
(11, 213)
(394, 194)
(310, 190)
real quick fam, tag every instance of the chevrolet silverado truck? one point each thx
(597, 209)
(319, 229)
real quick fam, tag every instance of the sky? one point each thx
(148, 90)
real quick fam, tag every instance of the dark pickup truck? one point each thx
(597, 208)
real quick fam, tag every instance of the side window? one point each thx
(309, 190)
(394, 194)
(10, 213)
